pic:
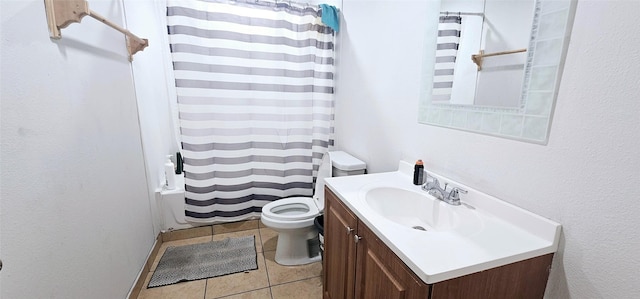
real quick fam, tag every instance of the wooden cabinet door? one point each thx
(381, 274)
(339, 249)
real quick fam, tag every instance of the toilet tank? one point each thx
(344, 164)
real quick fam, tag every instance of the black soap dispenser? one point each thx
(418, 173)
(179, 163)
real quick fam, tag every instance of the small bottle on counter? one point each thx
(418, 173)
(169, 173)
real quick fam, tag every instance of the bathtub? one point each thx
(171, 206)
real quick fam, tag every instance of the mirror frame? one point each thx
(531, 121)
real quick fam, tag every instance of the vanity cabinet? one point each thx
(357, 264)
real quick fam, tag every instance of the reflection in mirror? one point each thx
(497, 66)
(508, 28)
(496, 33)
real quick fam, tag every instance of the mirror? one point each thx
(508, 89)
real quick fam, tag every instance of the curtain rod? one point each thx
(126, 32)
(457, 13)
(61, 13)
(271, 3)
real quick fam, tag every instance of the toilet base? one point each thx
(293, 247)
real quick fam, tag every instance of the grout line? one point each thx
(206, 281)
(245, 292)
(299, 280)
(266, 269)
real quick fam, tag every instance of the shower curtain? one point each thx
(254, 82)
(447, 43)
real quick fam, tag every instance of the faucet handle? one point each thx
(429, 179)
(454, 195)
(457, 189)
(430, 183)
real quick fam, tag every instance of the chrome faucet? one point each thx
(432, 186)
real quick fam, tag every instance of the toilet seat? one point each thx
(291, 209)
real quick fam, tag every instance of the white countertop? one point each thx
(508, 233)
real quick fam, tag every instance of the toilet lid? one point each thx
(324, 171)
(291, 209)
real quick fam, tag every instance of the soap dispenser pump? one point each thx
(170, 177)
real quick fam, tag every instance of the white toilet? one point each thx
(293, 217)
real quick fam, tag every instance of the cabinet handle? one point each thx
(349, 230)
(356, 238)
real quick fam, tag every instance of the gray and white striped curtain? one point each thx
(254, 82)
(447, 43)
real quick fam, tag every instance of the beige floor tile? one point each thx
(235, 226)
(164, 246)
(308, 289)
(244, 233)
(239, 282)
(183, 290)
(257, 294)
(189, 233)
(279, 274)
(269, 239)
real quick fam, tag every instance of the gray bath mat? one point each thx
(205, 260)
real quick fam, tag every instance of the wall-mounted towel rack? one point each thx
(477, 58)
(61, 13)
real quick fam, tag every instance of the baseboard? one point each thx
(139, 284)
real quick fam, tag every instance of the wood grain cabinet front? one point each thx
(340, 250)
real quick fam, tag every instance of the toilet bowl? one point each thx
(293, 217)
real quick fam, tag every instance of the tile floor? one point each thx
(269, 281)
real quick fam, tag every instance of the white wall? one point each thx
(76, 221)
(585, 178)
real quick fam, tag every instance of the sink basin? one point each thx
(411, 209)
